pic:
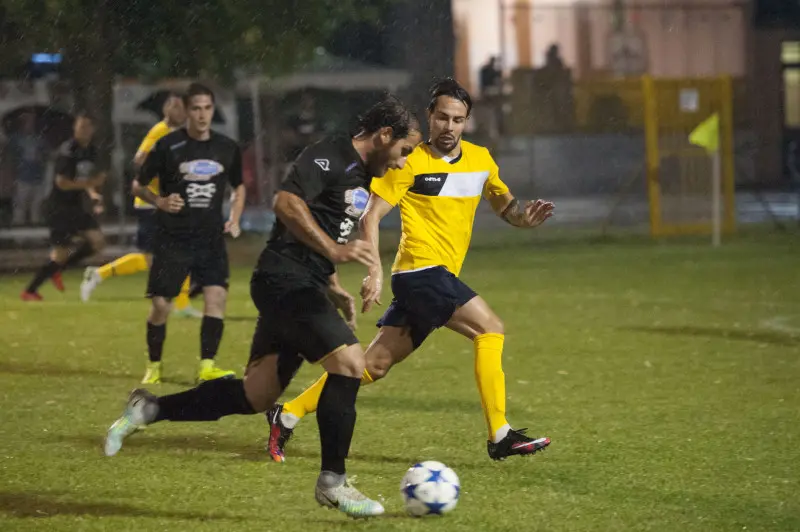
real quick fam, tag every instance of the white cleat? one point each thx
(349, 500)
(140, 410)
(188, 312)
(91, 280)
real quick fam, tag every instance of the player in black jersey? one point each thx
(74, 232)
(194, 165)
(297, 293)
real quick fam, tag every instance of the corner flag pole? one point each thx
(706, 135)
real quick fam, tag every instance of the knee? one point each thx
(215, 299)
(348, 362)
(492, 325)
(159, 311)
(378, 367)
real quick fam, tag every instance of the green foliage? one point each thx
(162, 38)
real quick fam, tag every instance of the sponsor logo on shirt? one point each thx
(200, 170)
(356, 200)
(200, 196)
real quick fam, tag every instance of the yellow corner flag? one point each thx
(706, 135)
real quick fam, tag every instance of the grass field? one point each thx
(667, 376)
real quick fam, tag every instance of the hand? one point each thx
(344, 302)
(357, 250)
(98, 209)
(171, 204)
(371, 289)
(95, 196)
(233, 228)
(536, 212)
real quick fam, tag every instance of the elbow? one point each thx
(282, 204)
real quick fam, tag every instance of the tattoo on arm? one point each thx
(514, 213)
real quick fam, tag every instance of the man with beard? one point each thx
(297, 293)
(437, 192)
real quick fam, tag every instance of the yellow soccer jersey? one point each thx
(437, 199)
(155, 133)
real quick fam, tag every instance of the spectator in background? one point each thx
(28, 152)
(304, 127)
(490, 77)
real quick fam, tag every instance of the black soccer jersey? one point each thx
(333, 180)
(199, 171)
(74, 162)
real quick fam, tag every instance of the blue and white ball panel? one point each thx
(430, 487)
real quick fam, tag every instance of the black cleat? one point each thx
(515, 442)
(279, 434)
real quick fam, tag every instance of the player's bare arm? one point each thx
(238, 196)
(65, 183)
(521, 214)
(368, 225)
(139, 158)
(293, 211)
(172, 203)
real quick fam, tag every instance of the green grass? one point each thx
(667, 376)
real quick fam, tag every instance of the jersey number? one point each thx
(345, 228)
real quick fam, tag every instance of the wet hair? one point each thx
(451, 88)
(388, 112)
(197, 89)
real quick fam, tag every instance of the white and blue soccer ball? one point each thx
(430, 488)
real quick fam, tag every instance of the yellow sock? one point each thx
(182, 301)
(306, 402)
(126, 265)
(491, 380)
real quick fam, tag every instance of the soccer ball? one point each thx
(430, 487)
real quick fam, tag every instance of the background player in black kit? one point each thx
(194, 165)
(295, 288)
(74, 232)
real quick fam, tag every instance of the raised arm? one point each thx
(530, 214)
(509, 208)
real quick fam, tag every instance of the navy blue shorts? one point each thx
(424, 301)
(146, 230)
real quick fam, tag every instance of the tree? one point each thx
(211, 39)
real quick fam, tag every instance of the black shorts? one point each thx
(65, 225)
(206, 260)
(146, 229)
(295, 319)
(424, 301)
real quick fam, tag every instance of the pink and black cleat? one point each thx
(515, 443)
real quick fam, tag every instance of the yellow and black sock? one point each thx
(306, 402)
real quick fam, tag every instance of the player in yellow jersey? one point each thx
(437, 192)
(174, 116)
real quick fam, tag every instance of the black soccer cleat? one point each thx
(279, 434)
(515, 442)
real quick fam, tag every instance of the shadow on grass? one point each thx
(758, 335)
(49, 370)
(249, 450)
(23, 504)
